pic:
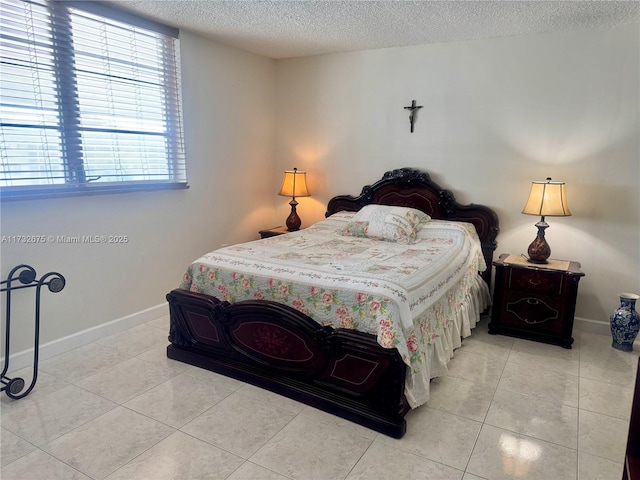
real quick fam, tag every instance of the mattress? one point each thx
(419, 297)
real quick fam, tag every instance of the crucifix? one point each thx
(414, 113)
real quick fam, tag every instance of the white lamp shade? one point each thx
(547, 198)
(294, 184)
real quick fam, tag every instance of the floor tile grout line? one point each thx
(141, 453)
(116, 405)
(67, 464)
(482, 424)
(359, 459)
(213, 445)
(121, 361)
(222, 447)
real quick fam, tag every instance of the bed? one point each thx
(338, 317)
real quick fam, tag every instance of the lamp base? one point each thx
(293, 220)
(539, 250)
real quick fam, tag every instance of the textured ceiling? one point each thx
(281, 29)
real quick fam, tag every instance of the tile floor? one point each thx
(119, 409)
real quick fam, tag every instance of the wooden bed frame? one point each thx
(273, 346)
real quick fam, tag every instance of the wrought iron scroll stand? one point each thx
(26, 275)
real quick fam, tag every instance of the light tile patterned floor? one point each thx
(510, 408)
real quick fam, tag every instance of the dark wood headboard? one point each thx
(409, 187)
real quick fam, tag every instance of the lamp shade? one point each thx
(294, 184)
(547, 198)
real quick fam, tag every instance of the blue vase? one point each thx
(625, 323)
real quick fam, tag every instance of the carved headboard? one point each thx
(409, 187)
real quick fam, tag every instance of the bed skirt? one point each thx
(443, 343)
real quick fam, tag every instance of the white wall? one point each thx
(497, 114)
(229, 116)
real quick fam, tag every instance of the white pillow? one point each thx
(386, 222)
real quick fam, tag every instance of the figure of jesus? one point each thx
(413, 115)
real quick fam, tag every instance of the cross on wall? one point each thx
(413, 113)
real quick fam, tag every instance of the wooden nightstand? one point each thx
(535, 301)
(272, 232)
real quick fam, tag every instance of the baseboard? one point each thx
(592, 326)
(47, 350)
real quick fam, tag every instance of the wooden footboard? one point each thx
(276, 347)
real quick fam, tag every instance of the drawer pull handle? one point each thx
(534, 282)
(532, 301)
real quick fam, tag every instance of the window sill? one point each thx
(61, 191)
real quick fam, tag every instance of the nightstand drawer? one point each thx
(535, 281)
(532, 311)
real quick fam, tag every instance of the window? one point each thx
(89, 100)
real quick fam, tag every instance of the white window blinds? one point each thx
(89, 100)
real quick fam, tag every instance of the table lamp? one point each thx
(294, 184)
(547, 199)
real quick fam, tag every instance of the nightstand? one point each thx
(272, 232)
(535, 301)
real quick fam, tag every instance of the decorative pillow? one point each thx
(385, 222)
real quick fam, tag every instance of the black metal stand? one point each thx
(26, 275)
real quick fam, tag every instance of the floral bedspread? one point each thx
(418, 298)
